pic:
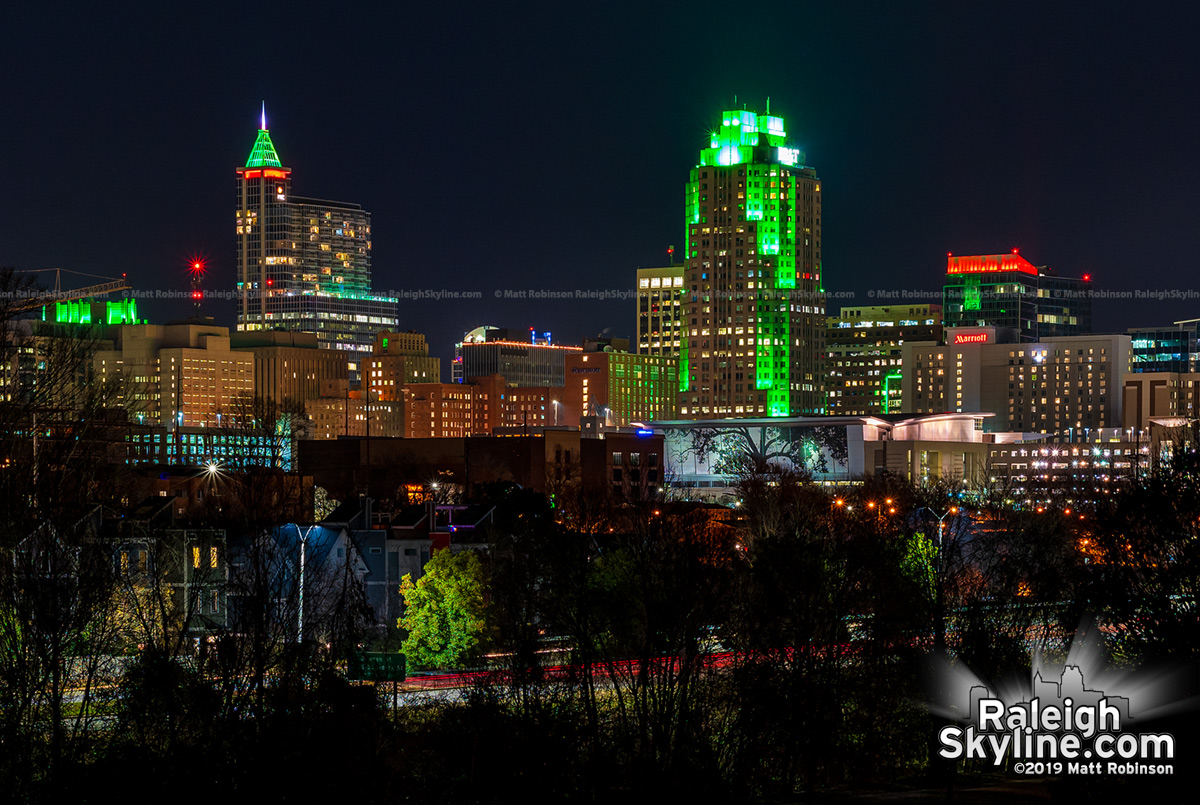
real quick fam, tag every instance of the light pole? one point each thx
(939, 635)
(300, 608)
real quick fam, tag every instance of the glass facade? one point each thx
(1166, 349)
(202, 447)
(1006, 290)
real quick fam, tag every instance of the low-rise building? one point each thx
(706, 459)
(620, 388)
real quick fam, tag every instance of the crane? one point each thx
(59, 295)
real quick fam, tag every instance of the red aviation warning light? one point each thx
(197, 267)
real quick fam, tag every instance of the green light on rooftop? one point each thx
(729, 155)
(263, 155)
(90, 311)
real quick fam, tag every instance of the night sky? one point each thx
(546, 146)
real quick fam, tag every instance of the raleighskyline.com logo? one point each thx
(1053, 723)
(1064, 729)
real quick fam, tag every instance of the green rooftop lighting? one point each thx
(263, 155)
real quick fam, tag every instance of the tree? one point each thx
(762, 450)
(444, 612)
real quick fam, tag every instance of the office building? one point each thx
(289, 367)
(864, 347)
(1006, 290)
(182, 375)
(754, 304)
(398, 358)
(660, 310)
(219, 448)
(1166, 349)
(522, 409)
(618, 387)
(48, 361)
(441, 410)
(479, 406)
(304, 264)
(351, 413)
(1055, 386)
(1160, 395)
(525, 358)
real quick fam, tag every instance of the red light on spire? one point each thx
(1087, 277)
(1015, 250)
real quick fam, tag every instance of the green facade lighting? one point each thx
(757, 144)
(263, 155)
(73, 312)
(888, 380)
(972, 293)
(90, 311)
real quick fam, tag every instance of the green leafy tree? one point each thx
(444, 612)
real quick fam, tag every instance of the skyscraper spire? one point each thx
(263, 154)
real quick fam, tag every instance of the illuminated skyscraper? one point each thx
(1006, 290)
(754, 303)
(660, 295)
(304, 264)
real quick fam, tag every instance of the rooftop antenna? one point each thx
(197, 270)
(263, 125)
(768, 104)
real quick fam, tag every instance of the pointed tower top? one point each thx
(263, 154)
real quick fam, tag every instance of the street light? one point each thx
(940, 624)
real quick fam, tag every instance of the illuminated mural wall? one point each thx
(715, 455)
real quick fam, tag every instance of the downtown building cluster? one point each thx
(735, 365)
(735, 332)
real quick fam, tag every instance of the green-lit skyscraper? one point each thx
(304, 264)
(754, 303)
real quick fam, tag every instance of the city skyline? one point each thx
(940, 130)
